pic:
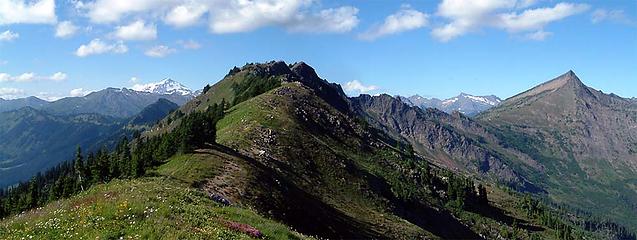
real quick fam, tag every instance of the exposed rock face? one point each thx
(453, 141)
(575, 120)
(585, 138)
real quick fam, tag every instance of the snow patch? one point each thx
(166, 86)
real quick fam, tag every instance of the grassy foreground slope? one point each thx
(147, 208)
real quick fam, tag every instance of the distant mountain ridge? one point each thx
(467, 104)
(120, 103)
(12, 104)
(36, 134)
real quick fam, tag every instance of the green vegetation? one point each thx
(196, 130)
(253, 86)
(282, 151)
(147, 208)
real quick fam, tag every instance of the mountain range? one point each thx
(558, 162)
(467, 104)
(114, 102)
(37, 135)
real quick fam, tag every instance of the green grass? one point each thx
(148, 208)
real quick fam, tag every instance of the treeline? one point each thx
(552, 217)
(537, 210)
(456, 192)
(196, 130)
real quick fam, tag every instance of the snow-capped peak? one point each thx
(486, 100)
(166, 86)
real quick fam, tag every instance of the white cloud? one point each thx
(227, 16)
(30, 77)
(186, 14)
(110, 11)
(97, 46)
(58, 76)
(244, 16)
(535, 19)
(65, 29)
(3, 62)
(539, 35)
(25, 77)
(618, 16)
(332, 20)
(189, 44)
(8, 36)
(11, 93)
(160, 51)
(356, 87)
(134, 80)
(468, 16)
(22, 11)
(405, 19)
(79, 92)
(137, 30)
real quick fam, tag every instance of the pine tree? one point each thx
(79, 168)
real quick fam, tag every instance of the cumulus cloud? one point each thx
(23, 11)
(97, 46)
(65, 29)
(189, 44)
(8, 36)
(405, 19)
(332, 20)
(357, 87)
(467, 16)
(160, 51)
(228, 16)
(30, 76)
(137, 30)
(58, 76)
(79, 92)
(11, 93)
(186, 14)
(110, 11)
(244, 16)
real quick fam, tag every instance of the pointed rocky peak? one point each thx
(566, 80)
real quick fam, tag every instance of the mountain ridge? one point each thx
(465, 103)
(586, 139)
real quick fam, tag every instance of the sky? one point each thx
(434, 48)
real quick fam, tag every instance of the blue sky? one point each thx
(57, 48)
